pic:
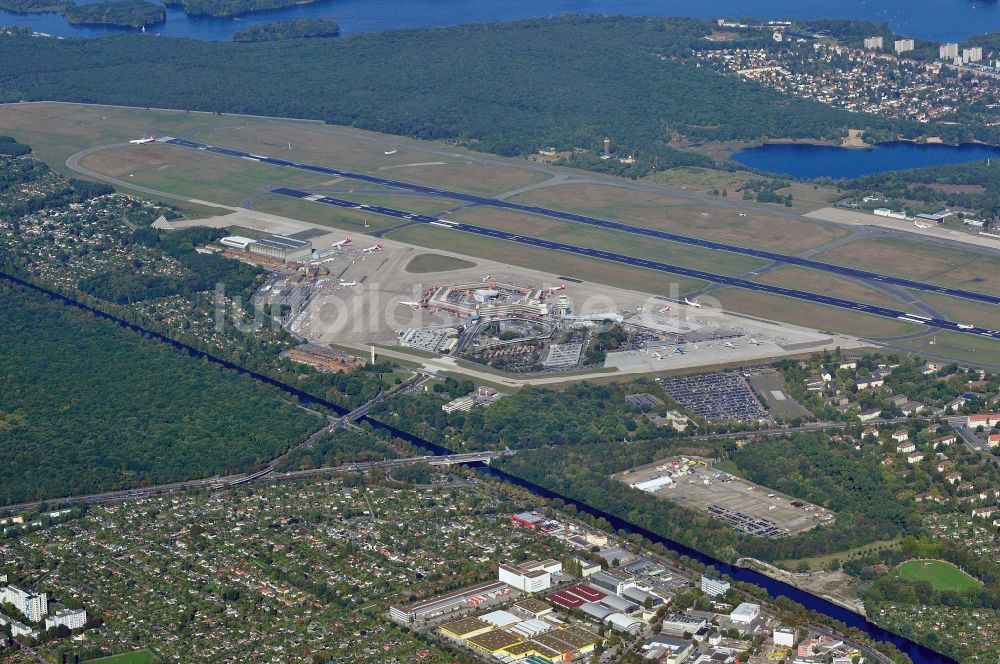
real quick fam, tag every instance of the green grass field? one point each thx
(137, 657)
(941, 575)
(425, 263)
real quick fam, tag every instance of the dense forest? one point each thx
(230, 8)
(298, 28)
(35, 6)
(86, 406)
(125, 13)
(581, 414)
(974, 185)
(628, 78)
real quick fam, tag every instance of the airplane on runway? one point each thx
(373, 249)
(140, 141)
(338, 245)
(965, 326)
(692, 303)
(392, 151)
(348, 283)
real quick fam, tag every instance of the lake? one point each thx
(814, 161)
(940, 20)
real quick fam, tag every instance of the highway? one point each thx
(658, 266)
(591, 221)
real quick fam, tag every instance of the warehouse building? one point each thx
(446, 603)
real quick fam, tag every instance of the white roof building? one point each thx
(745, 613)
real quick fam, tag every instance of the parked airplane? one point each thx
(657, 356)
(392, 151)
(348, 283)
(410, 304)
(140, 141)
(692, 303)
(680, 350)
(372, 250)
(338, 245)
(919, 225)
(558, 288)
(755, 342)
(729, 344)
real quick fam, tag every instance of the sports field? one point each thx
(942, 576)
(137, 657)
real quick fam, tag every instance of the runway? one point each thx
(593, 221)
(640, 262)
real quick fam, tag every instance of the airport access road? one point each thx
(590, 221)
(658, 266)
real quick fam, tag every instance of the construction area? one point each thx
(747, 507)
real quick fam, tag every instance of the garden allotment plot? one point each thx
(747, 507)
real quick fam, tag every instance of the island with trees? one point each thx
(127, 13)
(35, 6)
(299, 28)
(231, 8)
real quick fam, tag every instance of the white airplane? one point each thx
(755, 342)
(410, 304)
(557, 288)
(729, 344)
(338, 245)
(140, 141)
(965, 326)
(487, 277)
(657, 356)
(373, 249)
(348, 283)
(664, 310)
(392, 151)
(919, 225)
(692, 303)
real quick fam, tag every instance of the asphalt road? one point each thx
(658, 266)
(592, 221)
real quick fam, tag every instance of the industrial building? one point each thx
(530, 577)
(447, 603)
(745, 613)
(282, 248)
(613, 580)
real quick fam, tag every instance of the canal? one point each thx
(918, 653)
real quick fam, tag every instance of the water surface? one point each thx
(815, 161)
(941, 20)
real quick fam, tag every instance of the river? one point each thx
(806, 161)
(938, 20)
(918, 653)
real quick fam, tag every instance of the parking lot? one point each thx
(744, 505)
(716, 396)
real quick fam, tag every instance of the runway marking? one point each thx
(603, 223)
